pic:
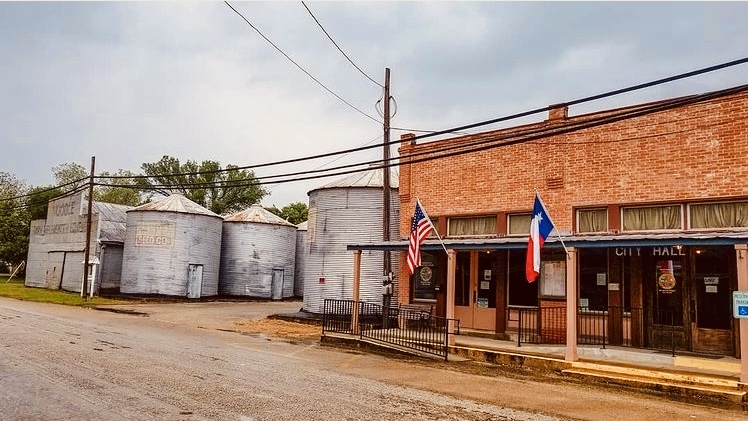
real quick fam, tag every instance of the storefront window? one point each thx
(652, 218)
(713, 290)
(480, 225)
(593, 278)
(520, 292)
(719, 215)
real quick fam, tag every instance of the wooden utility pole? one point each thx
(84, 287)
(387, 282)
(386, 171)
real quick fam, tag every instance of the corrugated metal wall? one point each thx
(251, 252)
(160, 247)
(301, 254)
(339, 217)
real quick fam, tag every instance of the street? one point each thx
(61, 363)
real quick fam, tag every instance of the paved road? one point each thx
(61, 363)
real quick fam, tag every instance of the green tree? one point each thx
(38, 199)
(129, 195)
(70, 173)
(295, 213)
(14, 220)
(222, 191)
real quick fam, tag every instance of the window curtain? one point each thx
(593, 220)
(651, 218)
(483, 225)
(519, 224)
(719, 215)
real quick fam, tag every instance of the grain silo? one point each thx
(172, 247)
(258, 253)
(347, 211)
(301, 253)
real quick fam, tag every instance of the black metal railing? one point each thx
(337, 316)
(406, 328)
(616, 326)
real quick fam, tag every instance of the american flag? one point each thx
(419, 230)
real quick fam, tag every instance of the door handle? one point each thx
(475, 293)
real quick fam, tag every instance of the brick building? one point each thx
(651, 202)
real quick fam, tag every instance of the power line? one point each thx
(338, 47)
(298, 66)
(495, 141)
(474, 125)
(74, 182)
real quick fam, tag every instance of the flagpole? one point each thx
(550, 219)
(418, 201)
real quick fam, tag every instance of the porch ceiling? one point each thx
(713, 238)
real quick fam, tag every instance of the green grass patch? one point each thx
(16, 289)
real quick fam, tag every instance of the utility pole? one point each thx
(86, 264)
(386, 171)
(387, 282)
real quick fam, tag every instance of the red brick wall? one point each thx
(696, 151)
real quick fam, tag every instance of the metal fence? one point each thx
(407, 328)
(597, 326)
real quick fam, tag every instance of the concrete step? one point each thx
(696, 387)
(680, 377)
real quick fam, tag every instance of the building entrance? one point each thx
(475, 289)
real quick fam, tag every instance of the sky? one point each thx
(130, 82)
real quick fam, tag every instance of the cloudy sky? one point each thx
(129, 82)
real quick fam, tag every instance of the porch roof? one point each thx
(711, 238)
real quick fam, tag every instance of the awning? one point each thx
(711, 238)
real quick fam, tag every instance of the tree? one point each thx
(70, 173)
(295, 213)
(222, 191)
(38, 199)
(14, 220)
(120, 195)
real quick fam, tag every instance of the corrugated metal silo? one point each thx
(301, 253)
(347, 211)
(258, 254)
(172, 247)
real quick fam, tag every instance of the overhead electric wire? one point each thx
(298, 66)
(59, 196)
(338, 47)
(594, 97)
(45, 190)
(506, 140)
(447, 131)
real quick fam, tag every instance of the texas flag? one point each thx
(540, 228)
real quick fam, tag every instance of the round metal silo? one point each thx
(301, 253)
(172, 247)
(347, 211)
(258, 254)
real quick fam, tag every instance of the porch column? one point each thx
(451, 269)
(356, 287)
(571, 304)
(742, 258)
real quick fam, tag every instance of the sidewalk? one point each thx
(714, 379)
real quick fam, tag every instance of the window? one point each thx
(719, 215)
(592, 220)
(520, 292)
(593, 278)
(651, 218)
(479, 225)
(518, 224)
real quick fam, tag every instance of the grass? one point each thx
(16, 289)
